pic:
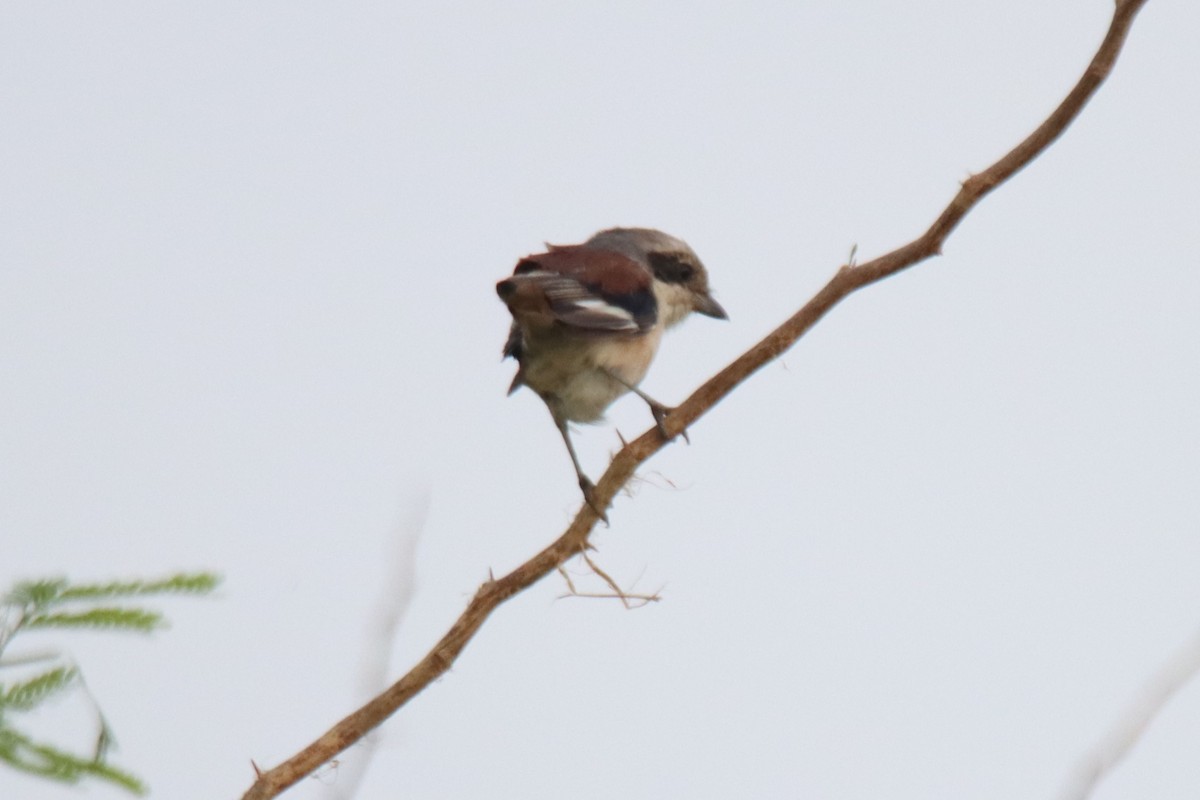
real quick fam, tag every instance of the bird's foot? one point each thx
(589, 496)
(660, 413)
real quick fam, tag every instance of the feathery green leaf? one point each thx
(25, 695)
(135, 619)
(21, 752)
(181, 583)
(36, 594)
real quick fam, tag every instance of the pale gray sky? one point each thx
(248, 323)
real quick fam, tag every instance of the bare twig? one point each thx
(847, 280)
(628, 599)
(1125, 733)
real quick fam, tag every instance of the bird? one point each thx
(587, 320)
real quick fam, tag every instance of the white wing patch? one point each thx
(596, 304)
(574, 305)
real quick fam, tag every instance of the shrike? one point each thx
(588, 318)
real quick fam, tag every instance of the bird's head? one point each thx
(680, 280)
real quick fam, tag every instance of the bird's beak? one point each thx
(708, 307)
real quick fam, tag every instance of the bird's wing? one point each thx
(591, 291)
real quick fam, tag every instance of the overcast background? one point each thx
(248, 324)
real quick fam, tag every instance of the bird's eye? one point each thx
(671, 268)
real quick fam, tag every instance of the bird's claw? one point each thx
(589, 496)
(660, 413)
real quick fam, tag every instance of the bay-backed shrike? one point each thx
(587, 320)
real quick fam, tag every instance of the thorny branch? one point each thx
(847, 280)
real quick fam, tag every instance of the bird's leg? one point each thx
(585, 484)
(657, 409)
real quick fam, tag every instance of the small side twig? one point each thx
(628, 599)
